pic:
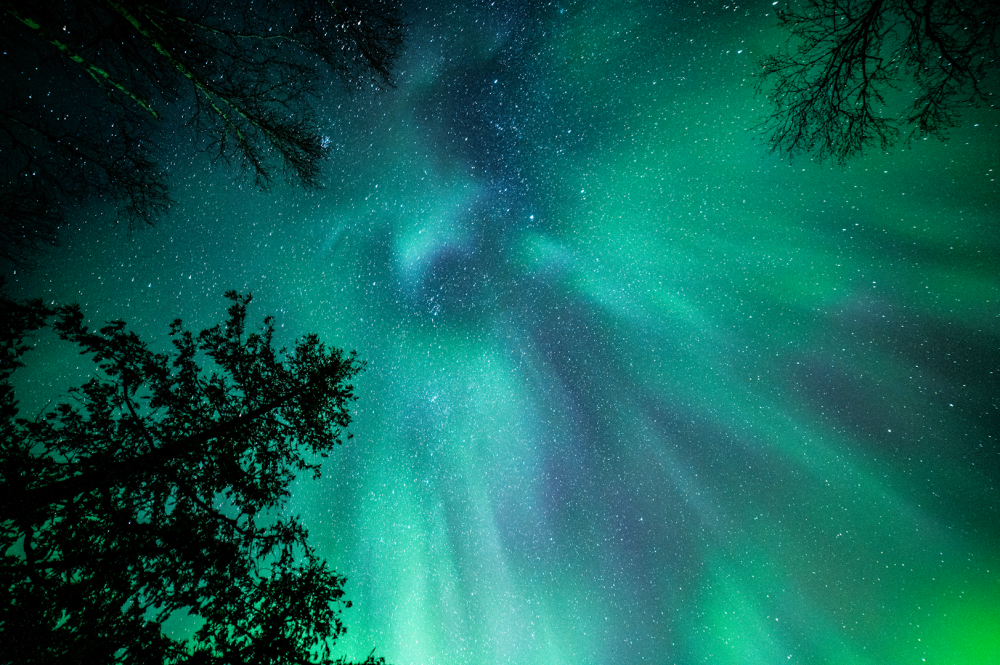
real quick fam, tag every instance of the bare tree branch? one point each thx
(98, 87)
(829, 89)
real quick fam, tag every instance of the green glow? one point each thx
(705, 405)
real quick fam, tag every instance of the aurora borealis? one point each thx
(637, 389)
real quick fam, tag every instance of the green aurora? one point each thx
(637, 390)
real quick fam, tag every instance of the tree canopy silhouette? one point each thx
(95, 92)
(829, 90)
(158, 490)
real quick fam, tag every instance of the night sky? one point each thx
(637, 390)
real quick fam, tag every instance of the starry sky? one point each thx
(637, 390)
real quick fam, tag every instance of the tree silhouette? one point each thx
(96, 91)
(158, 490)
(829, 91)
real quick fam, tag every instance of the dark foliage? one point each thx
(92, 88)
(830, 89)
(157, 490)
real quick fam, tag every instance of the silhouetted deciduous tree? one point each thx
(157, 490)
(85, 82)
(829, 88)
